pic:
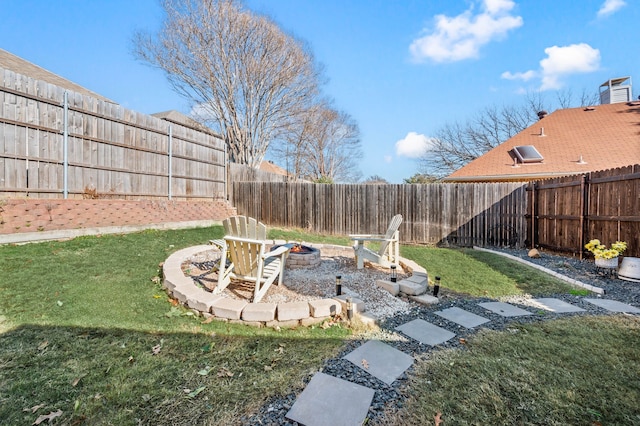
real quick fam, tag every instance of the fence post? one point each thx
(65, 147)
(170, 154)
(584, 212)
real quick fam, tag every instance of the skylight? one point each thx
(527, 154)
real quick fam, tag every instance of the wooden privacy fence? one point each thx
(566, 213)
(56, 143)
(462, 214)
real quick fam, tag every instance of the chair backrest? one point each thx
(245, 227)
(391, 232)
(245, 254)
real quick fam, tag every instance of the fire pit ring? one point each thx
(302, 256)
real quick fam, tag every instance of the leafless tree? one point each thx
(375, 180)
(323, 145)
(457, 144)
(242, 74)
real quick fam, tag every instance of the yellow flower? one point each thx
(600, 251)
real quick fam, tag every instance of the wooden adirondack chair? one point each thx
(245, 247)
(241, 226)
(389, 251)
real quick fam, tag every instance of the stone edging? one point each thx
(589, 287)
(286, 314)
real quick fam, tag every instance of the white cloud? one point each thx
(610, 6)
(565, 60)
(413, 145)
(461, 37)
(561, 61)
(524, 76)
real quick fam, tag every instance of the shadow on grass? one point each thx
(111, 376)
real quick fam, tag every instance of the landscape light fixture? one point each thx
(436, 287)
(394, 274)
(349, 308)
(338, 285)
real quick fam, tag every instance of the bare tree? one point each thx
(457, 144)
(375, 180)
(323, 145)
(243, 75)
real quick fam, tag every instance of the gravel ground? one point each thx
(390, 398)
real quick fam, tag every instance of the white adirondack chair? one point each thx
(241, 226)
(245, 247)
(389, 251)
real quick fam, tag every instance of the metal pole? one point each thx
(65, 147)
(170, 157)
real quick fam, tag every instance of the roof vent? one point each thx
(527, 154)
(580, 160)
(613, 91)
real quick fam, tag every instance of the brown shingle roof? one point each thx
(606, 136)
(18, 65)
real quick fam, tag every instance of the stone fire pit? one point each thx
(302, 256)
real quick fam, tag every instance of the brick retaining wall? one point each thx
(18, 216)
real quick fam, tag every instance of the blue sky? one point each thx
(401, 68)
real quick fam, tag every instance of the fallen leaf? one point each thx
(34, 408)
(204, 371)
(325, 325)
(131, 359)
(52, 415)
(59, 303)
(268, 368)
(463, 341)
(280, 350)
(365, 364)
(208, 320)
(196, 392)
(157, 296)
(76, 381)
(43, 345)
(224, 372)
(146, 397)
(174, 302)
(155, 279)
(437, 419)
(156, 349)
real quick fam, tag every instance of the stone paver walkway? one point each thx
(328, 400)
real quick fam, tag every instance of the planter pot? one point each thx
(607, 263)
(630, 269)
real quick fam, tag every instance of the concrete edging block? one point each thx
(324, 308)
(293, 311)
(393, 288)
(228, 308)
(260, 312)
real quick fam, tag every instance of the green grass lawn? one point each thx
(88, 336)
(573, 371)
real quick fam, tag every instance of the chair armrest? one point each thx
(365, 236)
(277, 252)
(381, 238)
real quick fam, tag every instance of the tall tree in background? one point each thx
(245, 77)
(322, 145)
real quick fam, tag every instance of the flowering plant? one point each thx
(600, 251)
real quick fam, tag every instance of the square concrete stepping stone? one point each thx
(505, 309)
(462, 317)
(329, 401)
(614, 306)
(380, 360)
(556, 305)
(425, 332)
